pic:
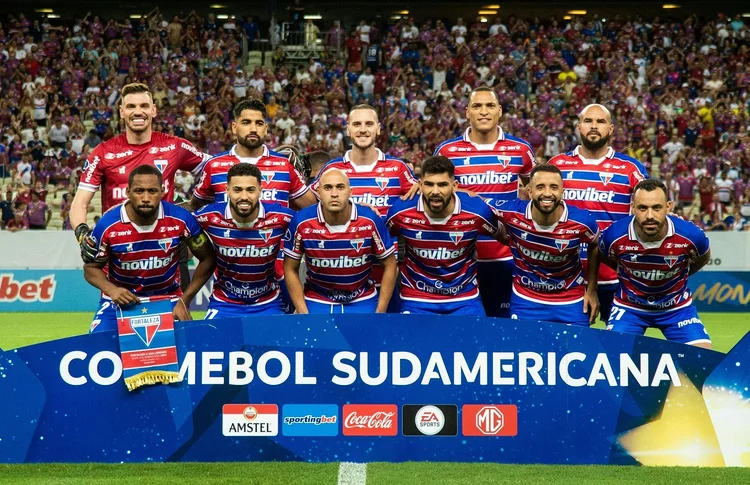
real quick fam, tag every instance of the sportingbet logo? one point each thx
(247, 252)
(486, 178)
(369, 199)
(340, 262)
(589, 194)
(541, 255)
(42, 290)
(441, 253)
(146, 264)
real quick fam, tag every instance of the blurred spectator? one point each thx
(38, 213)
(6, 209)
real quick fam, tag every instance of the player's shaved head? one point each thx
(334, 176)
(334, 192)
(595, 107)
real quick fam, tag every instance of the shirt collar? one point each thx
(563, 216)
(633, 236)
(261, 215)
(322, 220)
(252, 160)
(592, 161)
(363, 168)
(500, 137)
(124, 213)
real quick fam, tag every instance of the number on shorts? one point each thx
(616, 313)
(210, 314)
(105, 305)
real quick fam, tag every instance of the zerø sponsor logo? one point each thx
(41, 290)
(429, 420)
(370, 420)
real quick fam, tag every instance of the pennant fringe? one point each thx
(151, 377)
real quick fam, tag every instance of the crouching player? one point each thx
(246, 234)
(139, 242)
(653, 253)
(545, 236)
(339, 240)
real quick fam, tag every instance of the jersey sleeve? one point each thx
(529, 160)
(637, 174)
(592, 228)
(406, 180)
(191, 159)
(605, 243)
(297, 186)
(392, 220)
(489, 220)
(699, 240)
(383, 243)
(93, 173)
(203, 189)
(192, 228)
(293, 247)
(101, 242)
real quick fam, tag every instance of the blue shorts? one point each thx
(467, 307)
(220, 309)
(106, 316)
(683, 325)
(363, 306)
(606, 294)
(568, 313)
(495, 279)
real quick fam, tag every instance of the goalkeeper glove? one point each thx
(88, 251)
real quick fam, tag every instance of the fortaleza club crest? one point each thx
(503, 160)
(161, 164)
(561, 244)
(605, 177)
(456, 237)
(265, 234)
(146, 327)
(382, 182)
(165, 244)
(357, 244)
(267, 176)
(671, 260)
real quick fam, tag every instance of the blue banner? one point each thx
(721, 291)
(53, 290)
(381, 388)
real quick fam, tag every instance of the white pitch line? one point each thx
(352, 473)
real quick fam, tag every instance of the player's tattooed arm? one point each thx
(94, 275)
(699, 262)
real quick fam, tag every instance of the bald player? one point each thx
(340, 241)
(601, 181)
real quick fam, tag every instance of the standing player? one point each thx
(440, 230)
(138, 241)
(545, 237)
(339, 241)
(110, 163)
(281, 182)
(653, 253)
(490, 163)
(601, 181)
(246, 234)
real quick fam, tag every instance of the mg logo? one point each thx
(490, 420)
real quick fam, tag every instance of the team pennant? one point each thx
(147, 343)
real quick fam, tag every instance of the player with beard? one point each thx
(138, 242)
(494, 165)
(110, 163)
(601, 181)
(280, 181)
(654, 253)
(246, 234)
(545, 235)
(340, 241)
(440, 229)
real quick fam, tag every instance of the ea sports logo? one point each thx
(250, 413)
(429, 420)
(490, 420)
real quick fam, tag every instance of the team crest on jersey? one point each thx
(671, 260)
(504, 161)
(561, 244)
(634, 258)
(165, 244)
(524, 235)
(265, 234)
(129, 248)
(357, 244)
(227, 233)
(161, 164)
(382, 182)
(121, 170)
(267, 177)
(570, 175)
(605, 177)
(456, 237)
(419, 235)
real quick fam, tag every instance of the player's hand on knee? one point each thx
(123, 297)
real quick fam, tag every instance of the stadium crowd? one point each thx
(677, 90)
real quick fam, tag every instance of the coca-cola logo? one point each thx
(370, 420)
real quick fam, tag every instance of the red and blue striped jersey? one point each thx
(245, 253)
(492, 172)
(653, 275)
(339, 258)
(602, 187)
(378, 185)
(281, 181)
(548, 268)
(144, 260)
(440, 255)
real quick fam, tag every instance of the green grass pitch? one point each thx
(21, 329)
